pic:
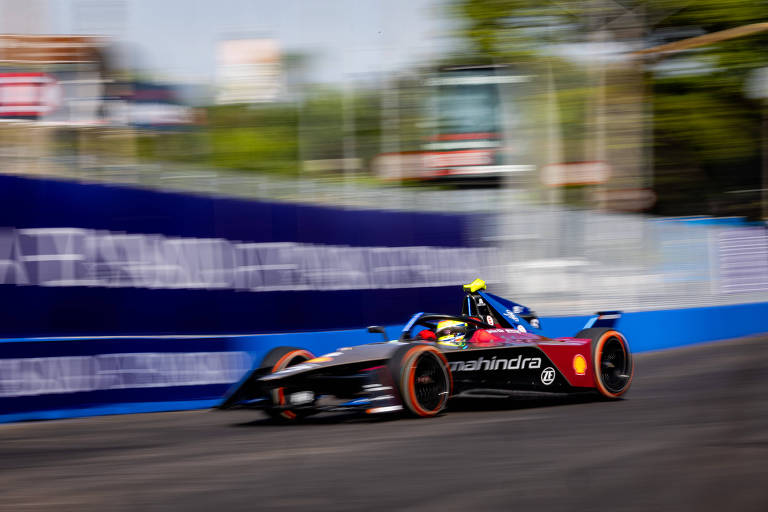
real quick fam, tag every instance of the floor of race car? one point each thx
(691, 435)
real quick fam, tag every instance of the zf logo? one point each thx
(548, 376)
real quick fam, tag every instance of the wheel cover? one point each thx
(615, 365)
(430, 382)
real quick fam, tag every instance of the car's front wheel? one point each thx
(423, 379)
(278, 359)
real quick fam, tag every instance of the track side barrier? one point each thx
(670, 328)
(50, 378)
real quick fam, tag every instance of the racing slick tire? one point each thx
(422, 378)
(611, 360)
(278, 359)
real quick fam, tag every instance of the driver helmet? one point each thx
(451, 332)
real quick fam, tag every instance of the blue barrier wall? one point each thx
(143, 374)
(77, 311)
(108, 310)
(73, 377)
(35, 203)
(656, 330)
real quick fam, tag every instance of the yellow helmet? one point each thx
(451, 332)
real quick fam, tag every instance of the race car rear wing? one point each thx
(603, 319)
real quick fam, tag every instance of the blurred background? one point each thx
(175, 174)
(576, 154)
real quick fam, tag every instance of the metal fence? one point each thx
(557, 260)
(563, 261)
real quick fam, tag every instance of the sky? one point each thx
(176, 39)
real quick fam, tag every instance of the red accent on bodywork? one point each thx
(427, 334)
(483, 338)
(561, 352)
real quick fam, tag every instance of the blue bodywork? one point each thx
(512, 312)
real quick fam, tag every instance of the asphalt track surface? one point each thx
(692, 434)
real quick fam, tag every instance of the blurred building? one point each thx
(51, 77)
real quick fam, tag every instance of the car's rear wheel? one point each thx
(278, 359)
(611, 359)
(423, 379)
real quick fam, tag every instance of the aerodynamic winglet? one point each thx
(603, 319)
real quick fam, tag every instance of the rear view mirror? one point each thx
(378, 329)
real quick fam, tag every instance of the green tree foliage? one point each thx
(707, 137)
(706, 133)
(275, 137)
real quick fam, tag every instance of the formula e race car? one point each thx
(491, 348)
